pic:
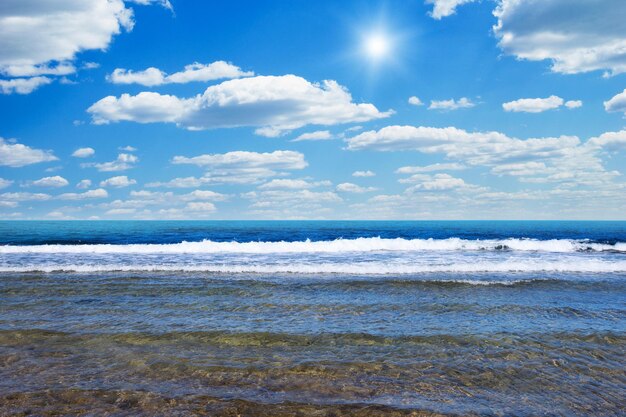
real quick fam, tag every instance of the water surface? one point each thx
(313, 318)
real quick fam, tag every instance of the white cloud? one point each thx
(127, 148)
(610, 141)
(203, 195)
(274, 104)
(193, 72)
(348, 187)
(5, 183)
(430, 168)
(56, 214)
(148, 77)
(443, 8)
(23, 85)
(415, 101)
(117, 182)
(291, 201)
(363, 174)
(151, 195)
(318, 135)
(573, 104)
(452, 104)
(18, 155)
(520, 169)
(537, 105)
(186, 182)
(169, 204)
(83, 184)
(25, 197)
(291, 184)
(230, 176)
(565, 158)
(83, 152)
(43, 37)
(56, 181)
(238, 167)
(60, 69)
(576, 35)
(120, 211)
(437, 182)
(123, 162)
(474, 147)
(164, 3)
(617, 103)
(241, 160)
(97, 193)
(204, 207)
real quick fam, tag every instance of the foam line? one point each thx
(371, 244)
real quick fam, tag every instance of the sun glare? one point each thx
(377, 46)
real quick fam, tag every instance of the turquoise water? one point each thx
(313, 318)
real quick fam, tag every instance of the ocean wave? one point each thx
(371, 244)
(346, 268)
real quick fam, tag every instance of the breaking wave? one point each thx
(371, 244)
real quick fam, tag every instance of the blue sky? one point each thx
(436, 109)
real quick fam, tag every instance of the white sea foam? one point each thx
(371, 244)
(348, 268)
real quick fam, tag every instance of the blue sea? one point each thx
(320, 318)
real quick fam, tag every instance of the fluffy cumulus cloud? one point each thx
(415, 101)
(123, 162)
(453, 166)
(474, 147)
(317, 135)
(56, 181)
(364, 174)
(18, 155)
(203, 195)
(237, 167)
(273, 104)
(118, 182)
(539, 105)
(242, 160)
(292, 184)
(290, 203)
(573, 104)
(83, 184)
(97, 193)
(617, 103)
(553, 30)
(443, 8)
(452, 104)
(610, 141)
(5, 183)
(83, 152)
(201, 206)
(18, 197)
(348, 187)
(563, 159)
(437, 182)
(145, 204)
(23, 85)
(193, 72)
(41, 37)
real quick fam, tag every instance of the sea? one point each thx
(313, 318)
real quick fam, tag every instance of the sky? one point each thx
(413, 109)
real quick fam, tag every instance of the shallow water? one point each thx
(358, 327)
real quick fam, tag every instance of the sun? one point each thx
(376, 45)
